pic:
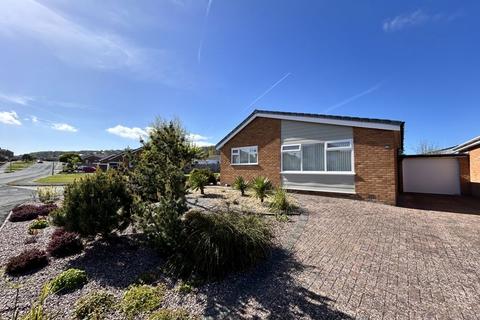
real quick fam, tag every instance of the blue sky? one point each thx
(94, 74)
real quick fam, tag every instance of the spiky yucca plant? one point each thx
(262, 187)
(240, 184)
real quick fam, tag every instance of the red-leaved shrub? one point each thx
(30, 212)
(63, 243)
(28, 260)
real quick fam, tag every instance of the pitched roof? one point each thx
(384, 124)
(475, 142)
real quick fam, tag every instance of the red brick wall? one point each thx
(264, 133)
(464, 165)
(475, 171)
(376, 164)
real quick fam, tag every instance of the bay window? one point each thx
(244, 155)
(328, 156)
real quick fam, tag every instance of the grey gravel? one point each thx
(113, 267)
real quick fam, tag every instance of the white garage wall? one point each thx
(431, 175)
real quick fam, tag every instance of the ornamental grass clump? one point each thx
(261, 187)
(48, 194)
(97, 204)
(94, 305)
(27, 261)
(241, 185)
(66, 281)
(280, 203)
(64, 243)
(140, 299)
(215, 244)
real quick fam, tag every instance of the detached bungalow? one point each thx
(314, 152)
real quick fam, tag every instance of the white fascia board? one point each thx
(338, 122)
(467, 146)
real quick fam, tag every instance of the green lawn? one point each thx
(62, 178)
(18, 165)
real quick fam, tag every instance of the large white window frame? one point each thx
(326, 149)
(236, 152)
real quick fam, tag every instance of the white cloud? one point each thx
(68, 40)
(63, 127)
(133, 133)
(415, 18)
(10, 118)
(199, 140)
(34, 119)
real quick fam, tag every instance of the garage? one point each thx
(431, 174)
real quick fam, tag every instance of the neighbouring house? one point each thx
(5, 155)
(212, 163)
(472, 149)
(90, 160)
(115, 160)
(316, 153)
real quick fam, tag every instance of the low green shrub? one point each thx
(198, 179)
(170, 314)
(241, 185)
(27, 261)
(94, 305)
(261, 187)
(37, 224)
(185, 287)
(97, 204)
(68, 280)
(141, 298)
(280, 203)
(215, 244)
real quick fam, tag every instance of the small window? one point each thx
(339, 144)
(293, 147)
(245, 155)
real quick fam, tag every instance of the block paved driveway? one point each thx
(373, 261)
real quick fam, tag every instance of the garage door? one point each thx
(431, 175)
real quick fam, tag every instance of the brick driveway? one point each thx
(376, 261)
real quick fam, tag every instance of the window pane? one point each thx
(235, 159)
(339, 160)
(313, 157)
(338, 144)
(243, 156)
(291, 161)
(290, 148)
(253, 157)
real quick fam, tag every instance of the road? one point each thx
(11, 192)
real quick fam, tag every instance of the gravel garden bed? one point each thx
(115, 264)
